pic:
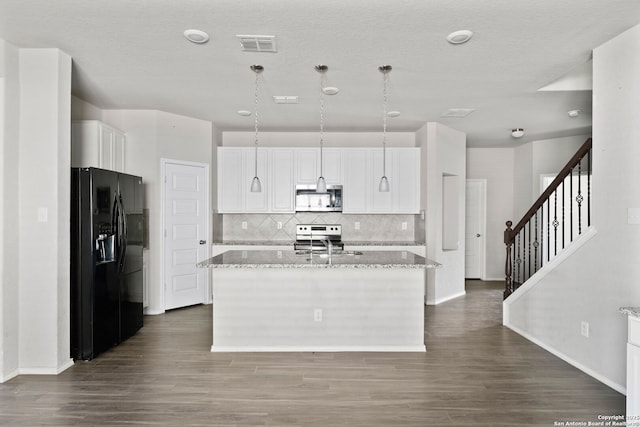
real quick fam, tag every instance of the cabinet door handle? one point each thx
(478, 235)
(202, 242)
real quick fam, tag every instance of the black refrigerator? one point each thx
(106, 260)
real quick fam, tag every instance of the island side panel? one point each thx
(275, 309)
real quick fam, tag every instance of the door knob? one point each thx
(478, 235)
(202, 242)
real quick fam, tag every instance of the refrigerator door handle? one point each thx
(123, 233)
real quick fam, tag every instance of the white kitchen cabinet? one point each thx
(280, 169)
(380, 202)
(362, 173)
(406, 180)
(307, 161)
(307, 165)
(281, 184)
(355, 181)
(96, 144)
(633, 371)
(236, 169)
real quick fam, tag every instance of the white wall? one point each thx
(44, 203)
(496, 166)
(9, 210)
(311, 139)
(603, 274)
(534, 159)
(443, 152)
(151, 136)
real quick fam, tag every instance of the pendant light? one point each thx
(321, 184)
(384, 181)
(256, 187)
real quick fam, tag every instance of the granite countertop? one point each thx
(301, 259)
(631, 311)
(290, 243)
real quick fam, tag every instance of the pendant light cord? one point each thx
(384, 125)
(321, 121)
(256, 125)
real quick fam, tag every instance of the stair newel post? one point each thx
(508, 266)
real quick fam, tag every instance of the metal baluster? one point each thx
(535, 244)
(579, 197)
(571, 206)
(589, 189)
(555, 222)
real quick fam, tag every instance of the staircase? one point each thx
(559, 216)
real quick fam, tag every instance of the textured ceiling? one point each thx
(130, 54)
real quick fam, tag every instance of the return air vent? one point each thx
(258, 43)
(457, 112)
(279, 99)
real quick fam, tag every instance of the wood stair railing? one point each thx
(557, 218)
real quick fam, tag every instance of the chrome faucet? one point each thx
(329, 245)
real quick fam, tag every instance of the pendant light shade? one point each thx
(321, 184)
(256, 186)
(384, 181)
(383, 187)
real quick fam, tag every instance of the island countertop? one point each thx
(300, 259)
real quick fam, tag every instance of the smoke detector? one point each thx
(257, 43)
(517, 133)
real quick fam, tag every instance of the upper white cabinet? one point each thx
(280, 169)
(363, 170)
(236, 168)
(282, 185)
(96, 144)
(307, 165)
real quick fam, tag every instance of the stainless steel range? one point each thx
(318, 237)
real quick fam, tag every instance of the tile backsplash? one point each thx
(282, 227)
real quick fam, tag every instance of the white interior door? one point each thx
(186, 201)
(475, 228)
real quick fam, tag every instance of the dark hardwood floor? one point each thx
(475, 373)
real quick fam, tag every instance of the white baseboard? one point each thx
(5, 378)
(319, 349)
(47, 371)
(604, 380)
(153, 312)
(445, 299)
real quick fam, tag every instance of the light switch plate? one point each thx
(43, 215)
(633, 215)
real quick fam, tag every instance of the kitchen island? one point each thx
(283, 300)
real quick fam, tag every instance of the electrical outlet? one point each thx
(244, 225)
(584, 329)
(279, 225)
(357, 225)
(404, 225)
(317, 315)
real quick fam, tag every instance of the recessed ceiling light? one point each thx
(459, 37)
(196, 36)
(573, 113)
(244, 112)
(330, 90)
(517, 133)
(393, 113)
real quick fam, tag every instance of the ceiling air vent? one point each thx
(457, 112)
(258, 43)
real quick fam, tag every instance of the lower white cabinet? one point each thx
(96, 144)
(633, 372)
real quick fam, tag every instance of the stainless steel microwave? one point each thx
(309, 200)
